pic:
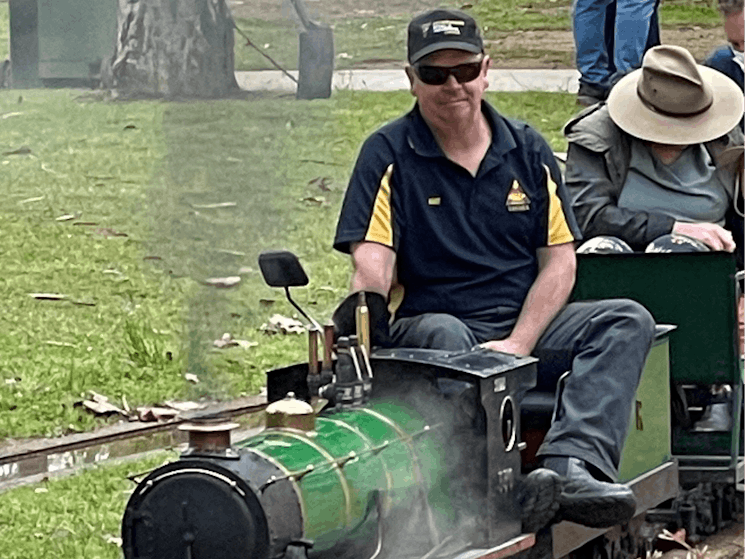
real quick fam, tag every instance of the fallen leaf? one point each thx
(60, 344)
(228, 341)
(213, 206)
(116, 540)
(130, 127)
(100, 405)
(321, 182)
(245, 270)
(23, 150)
(9, 115)
(279, 324)
(28, 200)
(314, 200)
(191, 377)
(41, 490)
(231, 252)
(45, 167)
(679, 537)
(184, 406)
(48, 296)
(108, 232)
(85, 223)
(154, 413)
(266, 302)
(68, 217)
(96, 397)
(230, 281)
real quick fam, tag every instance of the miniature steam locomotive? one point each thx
(420, 454)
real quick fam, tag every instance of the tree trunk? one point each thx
(173, 49)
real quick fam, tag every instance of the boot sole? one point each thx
(540, 499)
(597, 512)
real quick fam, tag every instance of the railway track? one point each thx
(30, 461)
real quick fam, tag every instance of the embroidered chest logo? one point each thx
(517, 200)
(434, 200)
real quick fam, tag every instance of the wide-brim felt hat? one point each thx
(672, 100)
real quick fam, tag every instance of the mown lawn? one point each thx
(74, 517)
(383, 39)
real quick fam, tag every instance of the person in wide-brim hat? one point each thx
(672, 100)
(658, 161)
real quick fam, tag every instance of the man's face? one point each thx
(733, 26)
(451, 102)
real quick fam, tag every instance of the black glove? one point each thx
(377, 308)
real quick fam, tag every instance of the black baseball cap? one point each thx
(442, 29)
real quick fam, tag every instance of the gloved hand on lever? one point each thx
(345, 324)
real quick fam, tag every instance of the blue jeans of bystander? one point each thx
(630, 38)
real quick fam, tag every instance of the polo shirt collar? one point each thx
(423, 142)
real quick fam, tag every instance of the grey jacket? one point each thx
(597, 164)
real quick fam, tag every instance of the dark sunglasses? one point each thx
(438, 75)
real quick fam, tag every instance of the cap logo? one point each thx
(445, 26)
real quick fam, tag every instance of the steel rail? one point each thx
(29, 459)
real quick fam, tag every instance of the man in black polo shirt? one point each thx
(459, 218)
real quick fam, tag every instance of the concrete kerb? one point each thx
(395, 80)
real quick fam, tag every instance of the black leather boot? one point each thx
(587, 500)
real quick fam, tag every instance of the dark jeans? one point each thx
(603, 343)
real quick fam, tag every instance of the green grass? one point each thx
(77, 516)
(688, 13)
(363, 40)
(137, 316)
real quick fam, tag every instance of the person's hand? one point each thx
(711, 234)
(507, 346)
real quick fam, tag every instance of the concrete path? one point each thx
(391, 80)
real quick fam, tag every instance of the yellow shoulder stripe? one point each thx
(380, 229)
(558, 229)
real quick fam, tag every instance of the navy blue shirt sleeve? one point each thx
(368, 212)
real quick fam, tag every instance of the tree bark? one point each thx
(173, 49)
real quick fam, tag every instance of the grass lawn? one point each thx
(124, 209)
(73, 517)
(362, 40)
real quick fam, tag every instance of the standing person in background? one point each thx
(729, 59)
(598, 65)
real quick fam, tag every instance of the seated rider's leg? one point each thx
(432, 331)
(674, 242)
(604, 245)
(606, 342)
